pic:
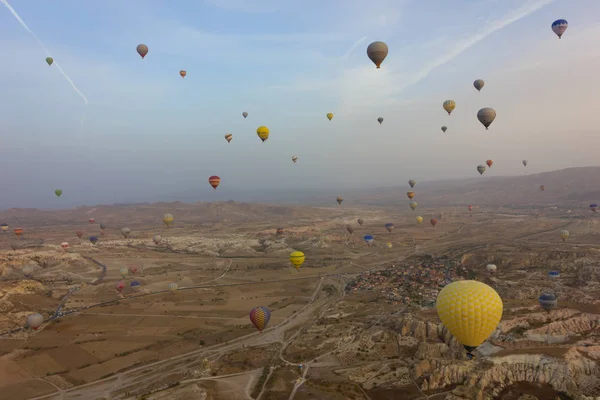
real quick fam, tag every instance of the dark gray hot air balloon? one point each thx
(444, 128)
(547, 301)
(377, 52)
(481, 169)
(350, 229)
(380, 120)
(103, 226)
(244, 114)
(478, 84)
(142, 50)
(412, 183)
(525, 163)
(360, 221)
(486, 116)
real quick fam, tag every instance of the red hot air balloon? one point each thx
(18, 231)
(433, 222)
(470, 207)
(489, 163)
(91, 220)
(214, 181)
(119, 286)
(542, 187)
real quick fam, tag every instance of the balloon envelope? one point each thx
(471, 311)
(214, 181)
(260, 317)
(486, 116)
(168, 219)
(142, 50)
(377, 52)
(380, 120)
(478, 84)
(49, 60)
(58, 192)
(559, 27)
(444, 128)
(481, 169)
(449, 106)
(547, 301)
(412, 183)
(263, 133)
(34, 321)
(244, 114)
(297, 259)
(360, 221)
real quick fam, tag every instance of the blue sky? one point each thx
(149, 135)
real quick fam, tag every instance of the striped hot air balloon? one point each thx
(260, 317)
(214, 181)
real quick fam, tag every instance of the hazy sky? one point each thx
(149, 135)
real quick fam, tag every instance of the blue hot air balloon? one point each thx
(547, 301)
(559, 27)
(134, 284)
(554, 274)
(369, 239)
(593, 207)
(93, 239)
(389, 226)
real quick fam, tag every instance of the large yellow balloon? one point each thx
(470, 310)
(168, 219)
(263, 133)
(329, 116)
(297, 259)
(449, 106)
(419, 219)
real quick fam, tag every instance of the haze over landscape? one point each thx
(267, 200)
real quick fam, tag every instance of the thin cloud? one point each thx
(466, 44)
(55, 63)
(354, 46)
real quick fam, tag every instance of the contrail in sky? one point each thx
(55, 63)
(354, 46)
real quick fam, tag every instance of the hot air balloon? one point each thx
(470, 207)
(119, 286)
(433, 222)
(380, 120)
(279, 231)
(329, 116)
(339, 200)
(491, 268)
(294, 159)
(489, 163)
(91, 220)
(93, 239)
(377, 52)
(58, 192)
(183, 73)
(28, 270)
(49, 60)
(103, 226)
(34, 321)
(525, 163)
(389, 245)
(123, 271)
(481, 169)
(260, 317)
(444, 128)
(4, 227)
(18, 231)
(350, 229)
(125, 232)
(449, 106)
(412, 183)
(133, 270)
(478, 84)
(64, 246)
(360, 221)
(228, 137)
(297, 259)
(263, 133)
(554, 274)
(413, 205)
(547, 301)
(389, 227)
(142, 50)
(559, 27)
(173, 286)
(134, 284)
(156, 239)
(369, 239)
(593, 207)
(419, 219)
(214, 181)
(79, 234)
(410, 195)
(470, 310)
(486, 116)
(564, 234)
(168, 219)
(245, 114)
(15, 246)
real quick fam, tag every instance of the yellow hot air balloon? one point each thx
(389, 245)
(263, 133)
(470, 310)
(228, 137)
(449, 105)
(330, 116)
(168, 219)
(297, 259)
(419, 219)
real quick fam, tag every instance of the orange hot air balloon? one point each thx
(214, 181)
(470, 207)
(489, 163)
(433, 222)
(410, 195)
(182, 73)
(542, 187)
(18, 231)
